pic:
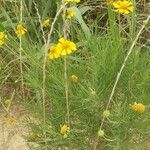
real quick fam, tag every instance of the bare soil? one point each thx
(12, 136)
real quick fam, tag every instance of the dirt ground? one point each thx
(12, 135)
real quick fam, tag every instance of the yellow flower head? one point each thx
(55, 51)
(20, 30)
(75, 1)
(137, 107)
(3, 37)
(74, 78)
(7, 102)
(33, 136)
(123, 6)
(67, 46)
(10, 120)
(70, 14)
(46, 23)
(64, 129)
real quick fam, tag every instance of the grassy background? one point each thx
(103, 40)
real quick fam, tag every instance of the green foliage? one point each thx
(96, 63)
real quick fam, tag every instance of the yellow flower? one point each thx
(137, 107)
(10, 120)
(33, 136)
(3, 37)
(70, 14)
(66, 46)
(20, 30)
(46, 23)
(75, 1)
(123, 6)
(55, 51)
(64, 129)
(7, 102)
(74, 78)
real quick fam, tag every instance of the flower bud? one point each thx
(101, 133)
(106, 113)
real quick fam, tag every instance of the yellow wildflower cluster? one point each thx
(123, 6)
(46, 23)
(64, 47)
(20, 30)
(75, 1)
(64, 129)
(137, 107)
(3, 37)
(70, 13)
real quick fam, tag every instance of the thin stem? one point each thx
(65, 28)
(43, 90)
(120, 72)
(40, 21)
(66, 91)
(21, 5)
(20, 53)
(44, 68)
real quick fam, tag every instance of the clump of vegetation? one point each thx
(83, 74)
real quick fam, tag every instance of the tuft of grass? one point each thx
(102, 49)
